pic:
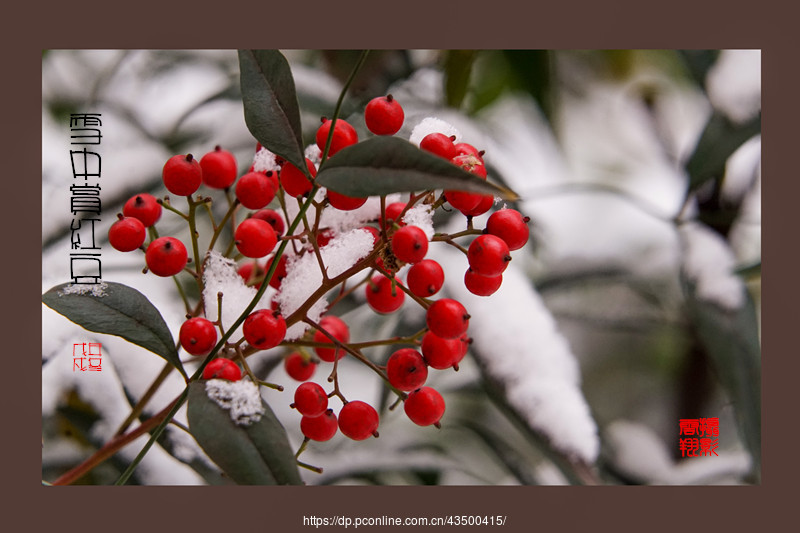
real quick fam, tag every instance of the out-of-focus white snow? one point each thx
(734, 83)
(708, 261)
(517, 342)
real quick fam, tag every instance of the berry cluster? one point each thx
(269, 244)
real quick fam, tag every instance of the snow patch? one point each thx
(241, 399)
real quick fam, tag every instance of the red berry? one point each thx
(382, 296)
(294, 182)
(319, 428)
(219, 168)
(264, 329)
(425, 278)
(482, 285)
(166, 256)
(468, 149)
(339, 330)
(273, 218)
(280, 271)
(252, 273)
(221, 368)
(470, 163)
(406, 369)
(358, 420)
(442, 353)
(509, 225)
(182, 175)
(343, 135)
(393, 211)
(439, 144)
(463, 200)
(384, 115)
(298, 367)
(447, 318)
(488, 255)
(255, 238)
(424, 406)
(143, 206)
(255, 190)
(310, 399)
(198, 336)
(324, 237)
(127, 234)
(483, 206)
(410, 244)
(344, 203)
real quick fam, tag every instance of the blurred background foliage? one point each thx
(650, 351)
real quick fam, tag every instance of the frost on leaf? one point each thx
(98, 290)
(516, 342)
(240, 398)
(709, 263)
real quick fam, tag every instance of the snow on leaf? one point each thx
(518, 345)
(240, 398)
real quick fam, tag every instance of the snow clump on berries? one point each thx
(516, 339)
(240, 398)
(421, 216)
(314, 154)
(709, 262)
(304, 275)
(220, 275)
(433, 125)
(265, 161)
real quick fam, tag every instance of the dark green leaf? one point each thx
(384, 165)
(732, 343)
(118, 310)
(457, 70)
(271, 111)
(749, 271)
(698, 63)
(258, 454)
(720, 139)
(532, 73)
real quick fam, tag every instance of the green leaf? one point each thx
(532, 72)
(731, 340)
(115, 309)
(384, 165)
(271, 111)
(720, 139)
(457, 70)
(258, 454)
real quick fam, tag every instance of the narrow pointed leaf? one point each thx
(384, 165)
(258, 454)
(271, 111)
(720, 139)
(732, 343)
(116, 309)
